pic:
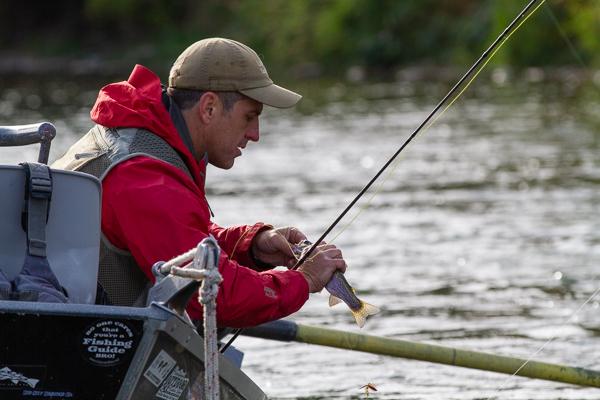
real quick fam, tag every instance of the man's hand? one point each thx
(275, 246)
(319, 269)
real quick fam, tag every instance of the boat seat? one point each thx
(72, 231)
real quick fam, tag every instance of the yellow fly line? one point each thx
(433, 122)
(266, 226)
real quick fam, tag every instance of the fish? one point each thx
(341, 291)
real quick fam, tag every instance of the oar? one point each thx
(289, 331)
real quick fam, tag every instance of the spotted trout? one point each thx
(340, 290)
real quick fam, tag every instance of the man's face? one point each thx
(232, 132)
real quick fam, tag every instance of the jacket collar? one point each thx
(137, 103)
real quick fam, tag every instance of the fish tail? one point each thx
(334, 300)
(365, 310)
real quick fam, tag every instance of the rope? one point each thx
(211, 278)
(208, 294)
(165, 269)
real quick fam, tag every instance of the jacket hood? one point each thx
(136, 103)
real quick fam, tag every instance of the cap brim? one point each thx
(273, 95)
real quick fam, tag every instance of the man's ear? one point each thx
(208, 106)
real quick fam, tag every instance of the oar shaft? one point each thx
(446, 355)
(288, 331)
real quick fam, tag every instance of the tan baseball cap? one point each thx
(218, 64)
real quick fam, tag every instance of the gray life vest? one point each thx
(97, 153)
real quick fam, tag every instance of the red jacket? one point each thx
(157, 212)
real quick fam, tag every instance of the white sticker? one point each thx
(174, 385)
(16, 378)
(160, 368)
(107, 342)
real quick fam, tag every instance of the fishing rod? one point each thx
(491, 50)
(498, 42)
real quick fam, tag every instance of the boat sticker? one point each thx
(107, 342)
(174, 385)
(21, 376)
(160, 368)
(47, 393)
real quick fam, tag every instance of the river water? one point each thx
(485, 237)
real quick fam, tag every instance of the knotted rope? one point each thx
(205, 269)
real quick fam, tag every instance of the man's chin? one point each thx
(223, 165)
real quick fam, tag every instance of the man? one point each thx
(151, 147)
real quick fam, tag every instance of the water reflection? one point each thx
(484, 237)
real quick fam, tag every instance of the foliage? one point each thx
(583, 23)
(539, 42)
(374, 34)
(330, 34)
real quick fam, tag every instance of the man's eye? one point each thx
(249, 118)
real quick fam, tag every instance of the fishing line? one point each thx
(492, 49)
(347, 341)
(565, 37)
(575, 54)
(549, 340)
(266, 226)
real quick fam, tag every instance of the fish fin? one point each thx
(365, 310)
(334, 300)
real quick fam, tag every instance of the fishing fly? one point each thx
(367, 387)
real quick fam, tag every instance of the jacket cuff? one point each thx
(261, 266)
(242, 253)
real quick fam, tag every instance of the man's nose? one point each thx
(252, 133)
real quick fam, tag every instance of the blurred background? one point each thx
(485, 237)
(304, 38)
